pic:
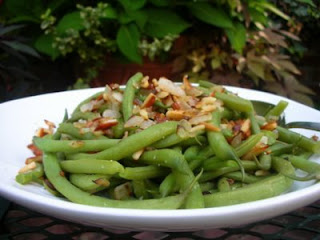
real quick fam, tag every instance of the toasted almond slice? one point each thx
(211, 127)
(143, 113)
(270, 126)
(145, 82)
(102, 182)
(106, 123)
(187, 85)
(28, 167)
(149, 101)
(35, 150)
(245, 126)
(50, 124)
(162, 94)
(175, 115)
(34, 159)
(137, 154)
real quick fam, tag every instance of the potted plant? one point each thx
(109, 40)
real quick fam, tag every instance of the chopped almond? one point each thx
(149, 101)
(106, 123)
(175, 115)
(270, 126)
(145, 82)
(137, 154)
(162, 94)
(102, 182)
(28, 167)
(211, 127)
(34, 159)
(245, 127)
(143, 113)
(36, 151)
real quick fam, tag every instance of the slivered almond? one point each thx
(200, 118)
(155, 82)
(175, 115)
(137, 154)
(211, 127)
(134, 121)
(162, 94)
(34, 159)
(270, 126)
(62, 174)
(102, 182)
(143, 113)
(187, 85)
(168, 86)
(35, 150)
(245, 127)
(149, 101)
(50, 124)
(106, 123)
(28, 167)
(145, 82)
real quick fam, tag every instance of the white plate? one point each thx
(20, 118)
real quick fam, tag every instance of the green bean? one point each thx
(247, 179)
(277, 110)
(255, 128)
(177, 149)
(90, 182)
(205, 91)
(118, 130)
(223, 185)
(91, 166)
(207, 186)
(266, 188)
(304, 164)
(219, 144)
(248, 144)
(198, 140)
(83, 115)
(73, 146)
(265, 161)
(140, 189)
(50, 188)
(247, 165)
(280, 148)
(128, 95)
(169, 141)
(74, 194)
(140, 173)
(70, 129)
(216, 164)
(234, 102)
(168, 185)
(191, 153)
(206, 84)
(128, 146)
(308, 144)
(31, 175)
(284, 167)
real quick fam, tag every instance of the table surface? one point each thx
(21, 223)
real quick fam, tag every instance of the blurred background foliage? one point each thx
(54, 45)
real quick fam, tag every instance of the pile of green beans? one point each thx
(157, 167)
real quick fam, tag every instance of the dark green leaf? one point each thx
(70, 21)
(110, 13)
(160, 3)
(128, 38)
(23, 19)
(8, 29)
(237, 37)
(310, 2)
(258, 16)
(44, 44)
(208, 14)
(18, 46)
(140, 17)
(163, 22)
(31, 8)
(54, 5)
(130, 5)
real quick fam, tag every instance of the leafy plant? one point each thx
(14, 62)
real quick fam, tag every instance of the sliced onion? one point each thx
(170, 87)
(111, 114)
(200, 118)
(134, 121)
(147, 124)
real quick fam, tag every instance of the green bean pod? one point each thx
(74, 194)
(128, 146)
(73, 146)
(91, 166)
(70, 129)
(128, 95)
(141, 173)
(90, 182)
